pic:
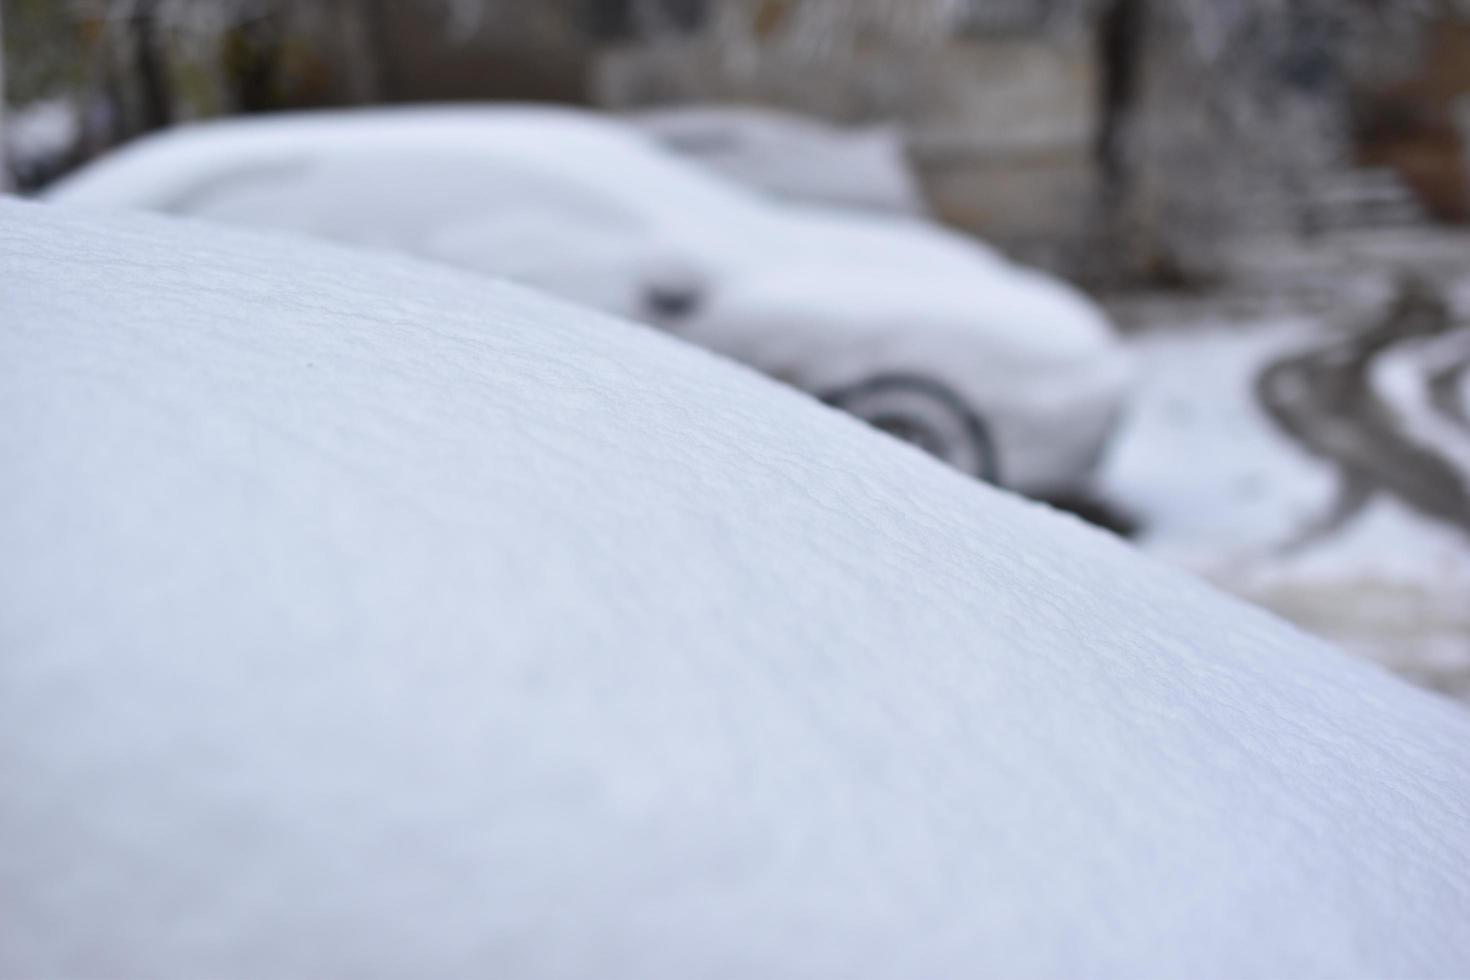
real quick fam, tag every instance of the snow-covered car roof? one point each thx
(172, 169)
(585, 207)
(363, 617)
(795, 156)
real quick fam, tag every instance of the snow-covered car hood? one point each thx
(362, 617)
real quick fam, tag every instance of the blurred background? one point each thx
(1268, 198)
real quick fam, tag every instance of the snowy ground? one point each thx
(1224, 491)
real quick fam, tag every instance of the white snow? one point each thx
(794, 156)
(361, 617)
(582, 206)
(1199, 459)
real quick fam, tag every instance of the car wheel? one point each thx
(925, 413)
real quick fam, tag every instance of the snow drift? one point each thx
(361, 617)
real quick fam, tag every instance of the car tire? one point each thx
(925, 413)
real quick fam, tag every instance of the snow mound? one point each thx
(361, 617)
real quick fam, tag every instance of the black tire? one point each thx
(925, 413)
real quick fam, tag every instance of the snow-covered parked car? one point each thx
(793, 156)
(361, 617)
(1002, 371)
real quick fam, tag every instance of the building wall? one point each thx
(1412, 123)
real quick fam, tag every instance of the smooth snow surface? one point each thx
(585, 207)
(363, 618)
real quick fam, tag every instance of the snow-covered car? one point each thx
(362, 617)
(1000, 370)
(793, 156)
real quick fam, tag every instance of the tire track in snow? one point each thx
(1338, 403)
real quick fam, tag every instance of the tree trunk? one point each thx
(1120, 51)
(4, 160)
(156, 103)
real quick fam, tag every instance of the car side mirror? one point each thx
(673, 294)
